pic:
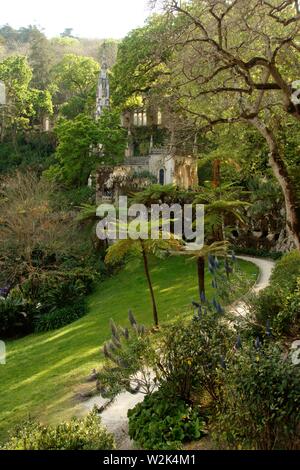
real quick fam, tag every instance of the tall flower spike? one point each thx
(114, 330)
(223, 363)
(220, 309)
(132, 319)
(268, 329)
(257, 343)
(238, 344)
(215, 304)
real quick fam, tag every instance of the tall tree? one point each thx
(23, 102)
(78, 151)
(74, 83)
(143, 249)
(236, 61)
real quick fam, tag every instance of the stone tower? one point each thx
(103, 93)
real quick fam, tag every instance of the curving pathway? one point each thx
(114, 417)
(266, 267)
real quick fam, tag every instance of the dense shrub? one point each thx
(161, 423)
(60, 317)
(287, 271)
(31, 150)
(261, 400)
(45, 302)
(279, 303)
(190, 355)
(78, 434)
(67, 198)
(57, 298)
(256, 252)
(268, 304)
(287, 321)
(13, 316)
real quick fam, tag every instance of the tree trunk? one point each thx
(146, 267)
(216, 173)
(201, 275)
(281, 173)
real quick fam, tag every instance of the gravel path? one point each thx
(114, 417)
(265, 267)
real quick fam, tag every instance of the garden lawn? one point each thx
(45, 371)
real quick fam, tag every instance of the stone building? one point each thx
(150, 156)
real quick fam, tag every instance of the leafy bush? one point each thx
(78, 434)
(287, 271)
(268, 304)
(70, 198)
(45, 302)
(13, 316)
(60, 317)
(190, 355)
(287, 321)
(57, 298)
(279, 303)
(160, 423)
(275, 255)
(261, 401)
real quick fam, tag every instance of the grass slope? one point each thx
(43, 371)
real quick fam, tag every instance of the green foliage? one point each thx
(141, 56)
(75, 139)
(46, 302)
(78, 434)
(190, 355)
(24, 102)
(112, 136)
(74, 84)
(60, 317)
(31, 150)
(287, 271)
(55, 289)
(13, 316)
(287, 321)
(68, 198)
(158, 194)
(279, 303)
(78, 146)
(275, 255)
(261, 401)
(159, 423)
(279, 307)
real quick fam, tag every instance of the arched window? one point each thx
(140, 118)
(159, 117)
(161, 176)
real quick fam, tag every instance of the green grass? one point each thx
(44, 371)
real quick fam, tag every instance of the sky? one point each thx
(88, 18)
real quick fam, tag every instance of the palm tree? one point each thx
(142, 248)
(215, 249)
(220, 202)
